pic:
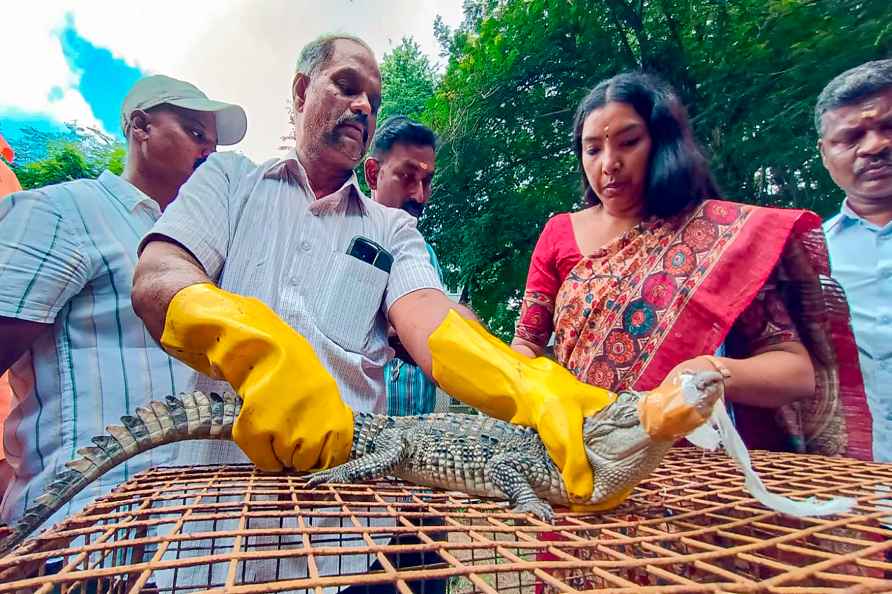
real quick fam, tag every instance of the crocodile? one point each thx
(476, 454)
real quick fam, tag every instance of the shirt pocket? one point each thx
(346, 300)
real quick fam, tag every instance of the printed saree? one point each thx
(672, 289)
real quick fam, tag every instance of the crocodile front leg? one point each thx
(389, 451)
(510, 475)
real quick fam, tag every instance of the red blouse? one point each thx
(555, 255)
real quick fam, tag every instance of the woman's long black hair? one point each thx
(678, 174)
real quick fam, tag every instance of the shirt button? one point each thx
(305, 245)
(885, 319)
(294, 280)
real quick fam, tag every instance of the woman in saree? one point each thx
(656, 276)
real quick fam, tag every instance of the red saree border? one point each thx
(767, 238)
(738, 273)
(835, 338)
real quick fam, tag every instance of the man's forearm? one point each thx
(164, 268)
(417, 315)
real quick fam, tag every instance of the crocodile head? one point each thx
(623, 449)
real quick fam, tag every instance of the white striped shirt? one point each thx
(67, 254)
(260, 231)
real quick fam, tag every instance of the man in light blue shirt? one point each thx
(853, 116)
(399, 172)
(78, 356)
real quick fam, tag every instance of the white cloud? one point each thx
(249, 56)
(37, 66)
(234, 50)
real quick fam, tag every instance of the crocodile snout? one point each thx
(680, 405)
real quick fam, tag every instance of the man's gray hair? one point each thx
(852, 86)
(316, 54)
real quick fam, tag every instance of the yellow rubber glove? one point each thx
(292, 414)
(484, 372)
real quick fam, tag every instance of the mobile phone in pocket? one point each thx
(370, 252)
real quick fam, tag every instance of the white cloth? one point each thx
(719, 430)
(67, 254)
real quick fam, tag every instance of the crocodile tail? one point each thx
(194, 415)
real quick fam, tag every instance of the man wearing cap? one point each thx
(78, 356)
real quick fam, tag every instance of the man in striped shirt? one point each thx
(78, 356)
(278, 280)
(8, 184)
(399, 171)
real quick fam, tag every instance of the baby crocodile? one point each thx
(475, 454)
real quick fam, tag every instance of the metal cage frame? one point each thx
(691, 527)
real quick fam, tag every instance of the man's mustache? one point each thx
(356, 118)
(413, 208)
(884, 159)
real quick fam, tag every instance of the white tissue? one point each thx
(720, 430)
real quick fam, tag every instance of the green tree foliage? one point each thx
(45, 158)
(408, 80)
(748, 70)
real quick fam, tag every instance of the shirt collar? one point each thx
(847, 216)
(126, 193)
(346, 199)
(847, 212)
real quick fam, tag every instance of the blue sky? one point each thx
(71, 60)
(104, 79)
(103, 82)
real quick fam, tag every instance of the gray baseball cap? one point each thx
(151, 91)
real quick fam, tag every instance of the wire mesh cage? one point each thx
(691, 527)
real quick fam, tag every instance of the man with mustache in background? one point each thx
(853, 117)
(78, 356)
(399, 172)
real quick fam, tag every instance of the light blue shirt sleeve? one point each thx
(43, 261)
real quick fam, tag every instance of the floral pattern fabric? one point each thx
(724, 274)
(672, 289)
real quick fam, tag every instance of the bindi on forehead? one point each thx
(419, 165)
(617, 130)
(867, 113)
(870, 109)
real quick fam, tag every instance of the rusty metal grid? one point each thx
(690, 528)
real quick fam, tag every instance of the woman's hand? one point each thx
(701, 363)
(776, 376)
